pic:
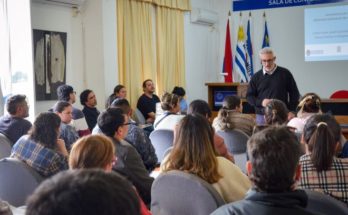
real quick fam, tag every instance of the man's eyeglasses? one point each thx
(267, 61)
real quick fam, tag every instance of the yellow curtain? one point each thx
(170, 49)
(136, 54)
(184, 5)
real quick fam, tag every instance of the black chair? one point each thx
(5, 146)
(161, 139)
(179, 193)
(17, 181)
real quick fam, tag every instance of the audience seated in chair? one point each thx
(84, 192)
(195, 154)
(41, 149)
(273, 169)
(113, 122)
(13, 125)
(89, 102)
(180, 91)
(96, 151)
(201, 107)
(230, 117)
(309, 105)
(276, 113)
(66, 93)
(119, 92)
(170, 117)
(147, 102)
(321, 169)
(137, 137)
(67, 132)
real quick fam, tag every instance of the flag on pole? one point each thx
(265, 42)
(249, 55)
(228, 65)
(240, 58)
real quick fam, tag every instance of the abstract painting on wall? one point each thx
(49, 63)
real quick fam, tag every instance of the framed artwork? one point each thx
(49, 63)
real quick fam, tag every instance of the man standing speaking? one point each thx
(271, 82)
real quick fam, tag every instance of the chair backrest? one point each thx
(5, 146)
(140, 117)
(235, 140)
(17, 181)
(161, 140)
(340, 94)
(176, 192)
(319, 203)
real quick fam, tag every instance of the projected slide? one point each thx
(326, 33)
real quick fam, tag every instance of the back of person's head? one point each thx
(122, 104)
(64, 91)
(322, 134)
(258, 128)
(199, 107)
(274, 155)
(60, 106)
(118, 88)
(84, 96)
(310, 103)
(13, 102)
(110, 120)
(169, 101)
(179, 91)
(231, 102)
(192, 152)
(84, 192)
(45, 129)
(93, 151)
(276, 113)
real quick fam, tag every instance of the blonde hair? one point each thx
(93, 151)
(193, 149)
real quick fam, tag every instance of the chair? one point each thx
(17, 181)
(161, 139)
(319, 203)
(176, 192)
(235, 140)
(5, 146)
(236, 143)
(140, 117)
(340, 94)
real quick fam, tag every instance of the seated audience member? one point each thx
(89, 103)
(179, 91)
(276, 113)
(96, 151)
(13, 125)
(195, 154)
(201, 107)
(321, 169)
(67, 132)
(41, 149)
(137, 136)
(84, 192)
(170, 117)
(119, 92)
(273, 169)
(309, 105)
(67, 94)
(114, 124)
(147, 102)
(230, 117)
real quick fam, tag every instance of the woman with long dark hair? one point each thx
(41, 149)
(321, 169)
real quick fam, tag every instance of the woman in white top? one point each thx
(309, 105)
(170, 117)
(193, 152)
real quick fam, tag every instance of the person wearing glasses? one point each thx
(272, 82)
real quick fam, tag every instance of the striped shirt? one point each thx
(333, 182)
(45, 161)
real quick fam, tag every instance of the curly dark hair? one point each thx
(45, 129)
(84, 96)
(274, 154)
